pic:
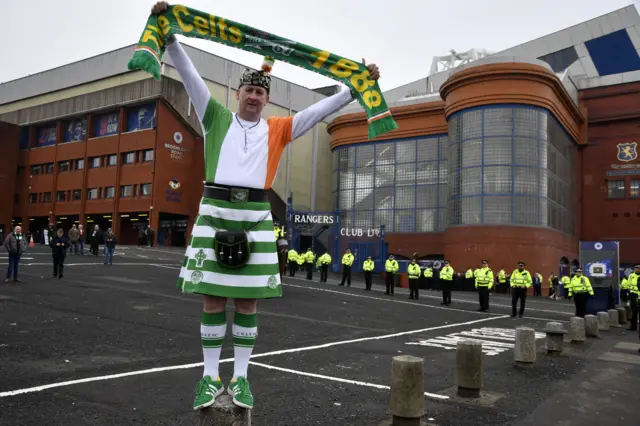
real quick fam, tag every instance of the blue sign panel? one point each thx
(75, 130)
(107, 124)
(24, 138)
(46, 136)
(141, 117)
(600, 262)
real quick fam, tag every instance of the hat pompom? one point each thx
(267, 64)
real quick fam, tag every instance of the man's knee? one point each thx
(214, 304)
(246, 306)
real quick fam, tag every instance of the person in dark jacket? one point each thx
(94, 240)
(142, 237)
(110, 242)
(14, 244)
(151, 235)
(59, 245)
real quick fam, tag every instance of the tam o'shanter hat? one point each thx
(261, 78)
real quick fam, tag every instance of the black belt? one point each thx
(235, 194)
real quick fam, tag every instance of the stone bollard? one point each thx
(524, 351)
(224, 412)
(622, 315)
(469, 369)
(591, 326)
(613, 318)
(555, 338)
(603, 321)
(407, 390)
(577, 330)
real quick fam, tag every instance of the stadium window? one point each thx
(77, 194)
(36, 170)
(33, 198)
(112, 160)
(61, 196)
(79, 164)
(49, 168)
(92, 194)
(128, 158)
(63, 166)
(616, 189)
(147, 155)
(46, 197)
(94, 162)
(109, 192)
(126, 191)
(145, 189)
(634, 189)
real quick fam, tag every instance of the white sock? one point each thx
(244, 331)
(212, 337)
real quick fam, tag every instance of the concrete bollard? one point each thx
(622, 315)
(603, 321)
(224, 412)
(555, 338)
(524, 351)
(577, 330)
(469, 369)
(613, 318)
(407, 390)
(591, 326)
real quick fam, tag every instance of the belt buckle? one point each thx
(239, 195)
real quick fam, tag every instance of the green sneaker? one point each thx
(239, 390)
(206, 392)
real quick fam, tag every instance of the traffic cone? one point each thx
(31, 243)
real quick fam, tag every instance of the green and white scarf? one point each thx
(189, 22)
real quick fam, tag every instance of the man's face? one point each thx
(485, 264)
(637, 271)
(18, 230)
(60, 233)
(252, 99)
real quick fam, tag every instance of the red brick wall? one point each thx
(9, 147)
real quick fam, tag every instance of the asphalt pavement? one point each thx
(120, 345)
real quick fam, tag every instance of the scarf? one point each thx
(189, 22)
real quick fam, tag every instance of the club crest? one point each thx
(627, 151)
(196, 277)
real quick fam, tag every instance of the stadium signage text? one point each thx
(359, 232)
(324, 219)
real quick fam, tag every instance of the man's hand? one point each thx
(159, 8)
(373, 70)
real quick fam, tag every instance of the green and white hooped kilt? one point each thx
(202, 274)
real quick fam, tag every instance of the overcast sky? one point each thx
(401, 36)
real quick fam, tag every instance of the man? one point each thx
(414, 273)
(367, 267)
(74, 236)
(14, 244)
(428, 275)
(502, 281)
(81, 239)
(446, 278)
(242, 153)
(347, 261)
(553, 285)
(59, 245)
(537, 284)
(634, 295)
(390, 267)
(309, 257)
(520, 283)
(484, 282)
(565, 282)
(323, 263)
(580, 287)
(292, 257)
(151, 235)
(469, 280)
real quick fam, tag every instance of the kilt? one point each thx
(202, 274)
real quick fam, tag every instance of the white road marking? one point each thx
(336, 379)
(489, 347)
(199, 364)
(139, 255)
(167, 266)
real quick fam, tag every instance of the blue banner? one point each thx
(46, 136)
(600, 262)
(75, 130)
(107, 124)
(141, 117)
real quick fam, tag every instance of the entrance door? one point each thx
(360, 252)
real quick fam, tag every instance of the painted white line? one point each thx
(336, 379)
(139, 255)
(199, 364)
(168, 267)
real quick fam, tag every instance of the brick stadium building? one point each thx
(92, 143)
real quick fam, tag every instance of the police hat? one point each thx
(520, 263)
(636, 266)
(446, 262)
(485, 261)
(579, 270)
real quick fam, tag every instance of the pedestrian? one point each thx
(580, 288)
(151, 235)
(347, 261)
(520, 282)
(15, 245)
(323, 264)
(390, 268)
(428, 276)
(484, 282)
(553, 285)
(59, 245)
(309, 258)
(368, 267)
(292, 257)
(414, 273)
(110, 242)
(634, 295)
(537, 284)
(446, 281)
(81, 239)
(94, 240)
(74, 236)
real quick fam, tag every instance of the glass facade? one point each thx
(400, 183)
(511, 165)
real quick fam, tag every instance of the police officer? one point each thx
(446, 281)
(428, 276)
(347, 261)
(484, 282)
(502, 282)
(390, 267)
(520, 283)
(323, 263)
(309, 257)
(468, 280)
(367, 267)
(414, 272)
(580, 288)
(634, 295)
(292, 258)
